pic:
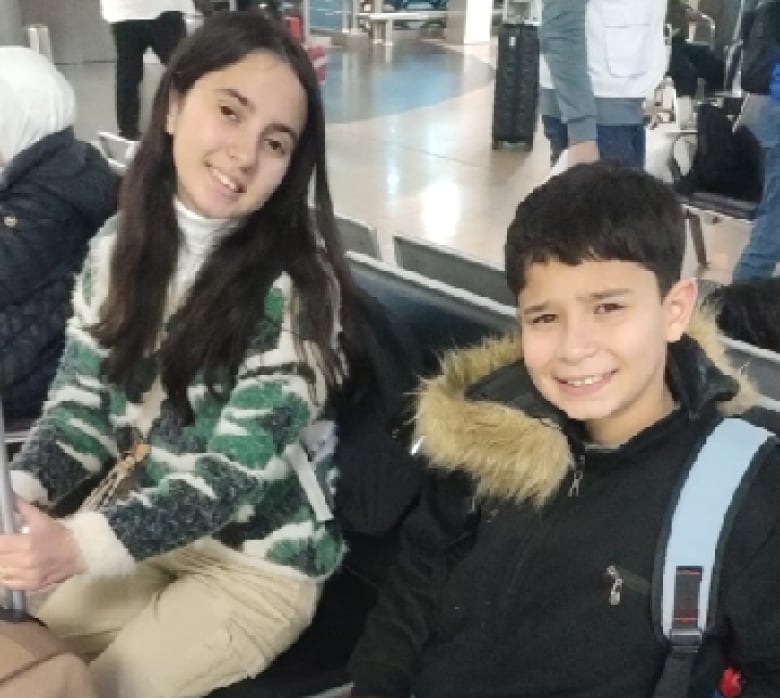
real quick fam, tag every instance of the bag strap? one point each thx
(690, 548)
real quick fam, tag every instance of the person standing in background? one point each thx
(137, 25)
(760, 77)
(600, 60)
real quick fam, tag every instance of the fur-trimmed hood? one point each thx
(482, 415)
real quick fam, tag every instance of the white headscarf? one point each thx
(35, 100)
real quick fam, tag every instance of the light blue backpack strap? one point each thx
(702, 514)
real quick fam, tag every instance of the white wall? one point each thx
(10, 23)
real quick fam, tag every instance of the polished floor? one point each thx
(409, 146)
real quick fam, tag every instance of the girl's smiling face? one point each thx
(234, 133)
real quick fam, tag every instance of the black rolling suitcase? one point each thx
(516, 98)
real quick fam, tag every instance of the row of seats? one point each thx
(704, 207)
(482, 279)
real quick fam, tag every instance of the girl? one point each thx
(55, 193)
(213, 322)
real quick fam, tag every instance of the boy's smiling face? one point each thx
(595, 338)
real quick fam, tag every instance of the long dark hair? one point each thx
(221, 312)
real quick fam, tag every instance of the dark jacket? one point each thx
(53, 197)
(379, 479)
(502, 591)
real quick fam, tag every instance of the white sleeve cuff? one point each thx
(103, 553)
(29, 488)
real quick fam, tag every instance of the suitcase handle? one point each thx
(14, 600)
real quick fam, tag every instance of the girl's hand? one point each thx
(46, 553)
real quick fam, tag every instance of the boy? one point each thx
(526, 570)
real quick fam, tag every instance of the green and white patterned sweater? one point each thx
(254, 470)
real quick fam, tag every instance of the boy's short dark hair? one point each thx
(598, 212)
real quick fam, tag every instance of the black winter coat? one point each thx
(511, 599)
(53, 197)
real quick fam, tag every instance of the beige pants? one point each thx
(183, 624)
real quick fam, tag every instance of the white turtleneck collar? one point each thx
(199, 236)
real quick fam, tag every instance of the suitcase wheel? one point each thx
(526, 146)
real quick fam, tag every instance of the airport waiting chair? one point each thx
(702, 207)
(761, 365)
(357, 236)
(117, 150)
(452, 267)
(441, 316)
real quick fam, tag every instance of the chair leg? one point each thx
(697, 237)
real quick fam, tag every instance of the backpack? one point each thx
(692, 542)
(726, 161)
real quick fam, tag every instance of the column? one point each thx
(469, 21)
(10, 23)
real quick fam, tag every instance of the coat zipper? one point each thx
(577, 474)
(620, 579)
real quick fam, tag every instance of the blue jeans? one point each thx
(626, 144)
(762, 253)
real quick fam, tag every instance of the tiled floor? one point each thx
(410, 147)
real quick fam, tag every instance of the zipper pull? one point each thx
(617, 585)
(574, 488)
(577, 475)
(576, 478)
